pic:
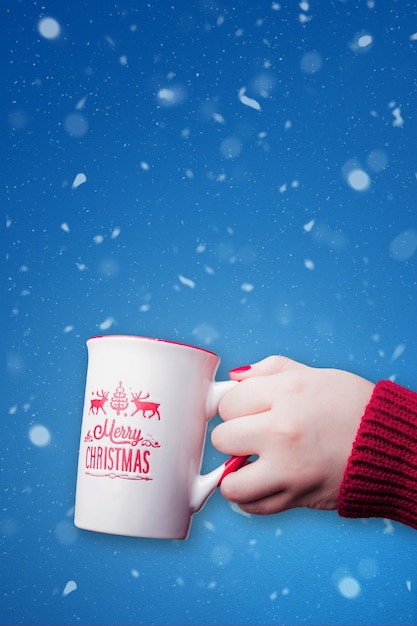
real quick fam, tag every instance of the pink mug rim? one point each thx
(168, 341)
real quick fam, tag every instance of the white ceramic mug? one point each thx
(147, 402)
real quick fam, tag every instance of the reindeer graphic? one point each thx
(145, 407)
(98, 403)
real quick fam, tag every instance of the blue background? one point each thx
(236, 225)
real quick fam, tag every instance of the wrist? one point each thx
(380, 479)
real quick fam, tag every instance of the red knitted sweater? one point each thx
(381, 475)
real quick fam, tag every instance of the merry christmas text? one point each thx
(117, 459)
(118, 434)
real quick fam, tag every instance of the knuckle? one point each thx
(277, 362)
(292, 382)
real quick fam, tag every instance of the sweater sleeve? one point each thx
(380, 479)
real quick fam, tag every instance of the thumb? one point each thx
(266, 367)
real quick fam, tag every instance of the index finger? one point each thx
(270, 365)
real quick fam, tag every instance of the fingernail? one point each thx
(239, 370)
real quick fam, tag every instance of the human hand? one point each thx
(301, 422)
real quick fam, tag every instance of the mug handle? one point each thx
(206, 484)
(233, 464)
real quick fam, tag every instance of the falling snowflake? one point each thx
(69, 588)
(249, 102)
(80, 179)
(186, 281)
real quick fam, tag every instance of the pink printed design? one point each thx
(119, 401)
(124, 476)
(98, 403)
(117, 447)
(121, 435)
(145, 407)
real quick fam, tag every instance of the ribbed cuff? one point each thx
(381, 476)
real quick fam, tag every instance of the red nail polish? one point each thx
(239, 370)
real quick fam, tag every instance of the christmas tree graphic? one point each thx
(119, 401)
